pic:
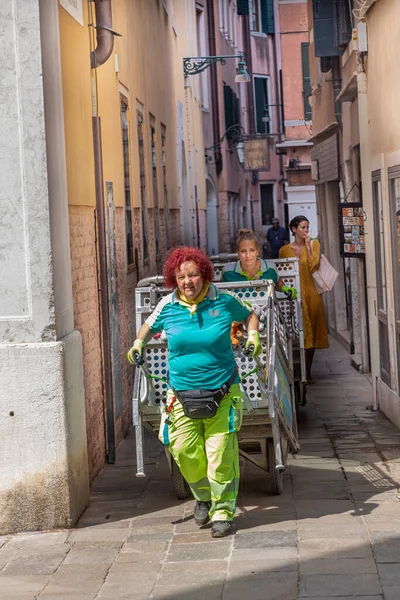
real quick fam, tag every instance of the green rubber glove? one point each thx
(254, 340)
(289, 290)
(135, 354)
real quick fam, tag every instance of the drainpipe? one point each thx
(337, 86)
(104, 33)
(249, 64)
(214, 87)
(105, 45)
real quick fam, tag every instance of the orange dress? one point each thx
(314, 321)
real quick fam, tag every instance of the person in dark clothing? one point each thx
(277, 237)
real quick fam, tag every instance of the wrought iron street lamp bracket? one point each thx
(192, 65)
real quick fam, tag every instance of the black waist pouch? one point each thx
(203, 404)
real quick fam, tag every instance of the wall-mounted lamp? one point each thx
(192, 65)
(235, 133)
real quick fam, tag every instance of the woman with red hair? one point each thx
(204, 402)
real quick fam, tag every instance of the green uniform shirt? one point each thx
(233, 272)
(200, 352)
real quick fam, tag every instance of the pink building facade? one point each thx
(238, 198)
(293, 63)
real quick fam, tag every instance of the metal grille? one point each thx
(157, 354)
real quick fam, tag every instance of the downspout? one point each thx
(214, 87)
(279, 101)
(104, 33)
(337, 86)
(103, 50)
(249, 63)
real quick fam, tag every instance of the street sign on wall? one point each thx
(256, 153)
(74, 8)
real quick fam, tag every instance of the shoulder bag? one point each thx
(325, 276)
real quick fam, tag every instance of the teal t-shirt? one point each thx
(233, 272)
(200, 352)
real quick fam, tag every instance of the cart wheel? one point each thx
(181, 487)
(276, 477)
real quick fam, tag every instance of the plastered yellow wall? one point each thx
(75, 60)
(150, 54)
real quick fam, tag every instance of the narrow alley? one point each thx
(333, 533)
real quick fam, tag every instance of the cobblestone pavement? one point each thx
(334, 533)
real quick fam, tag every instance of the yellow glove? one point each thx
(253, 343)
(135, 353)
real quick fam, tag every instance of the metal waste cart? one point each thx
(269, 428)
(288, 269)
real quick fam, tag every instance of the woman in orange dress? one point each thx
(314, 321)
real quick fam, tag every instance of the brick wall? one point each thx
(86, 317)
(297, 177)
(126, 310)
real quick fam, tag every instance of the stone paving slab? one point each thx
(334, 533)
(339, 584)
(263, 586)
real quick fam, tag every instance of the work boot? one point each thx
(201, 512)
(221, 528)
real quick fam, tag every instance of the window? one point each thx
(262, 16)
(267, 203)
(165, 188)
(127, 180)
(381, 278)
(305, 64)
(232, 108)
(153, 141)
(394, 199)
(254, 10)
(142, 173)
(242, 7)
(261, 94)
(202, 51)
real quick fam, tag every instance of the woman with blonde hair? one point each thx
(251, 267)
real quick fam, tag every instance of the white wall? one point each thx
(43, 460)
(301, 200)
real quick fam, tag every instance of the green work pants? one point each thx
(207, 453)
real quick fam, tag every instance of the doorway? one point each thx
(212, 220)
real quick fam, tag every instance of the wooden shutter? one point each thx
(267, 16)
(259, 85)
(229, 106)
(344, 23)
(242, 7)
(325, 28)
(305, 64)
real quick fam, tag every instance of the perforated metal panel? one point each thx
(157, 354)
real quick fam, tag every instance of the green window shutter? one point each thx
(267, 16)
(229, 106)
(237, 110)
(305, 64)
(242, 7)
(259, 85)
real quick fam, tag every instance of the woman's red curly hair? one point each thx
(182, 254)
